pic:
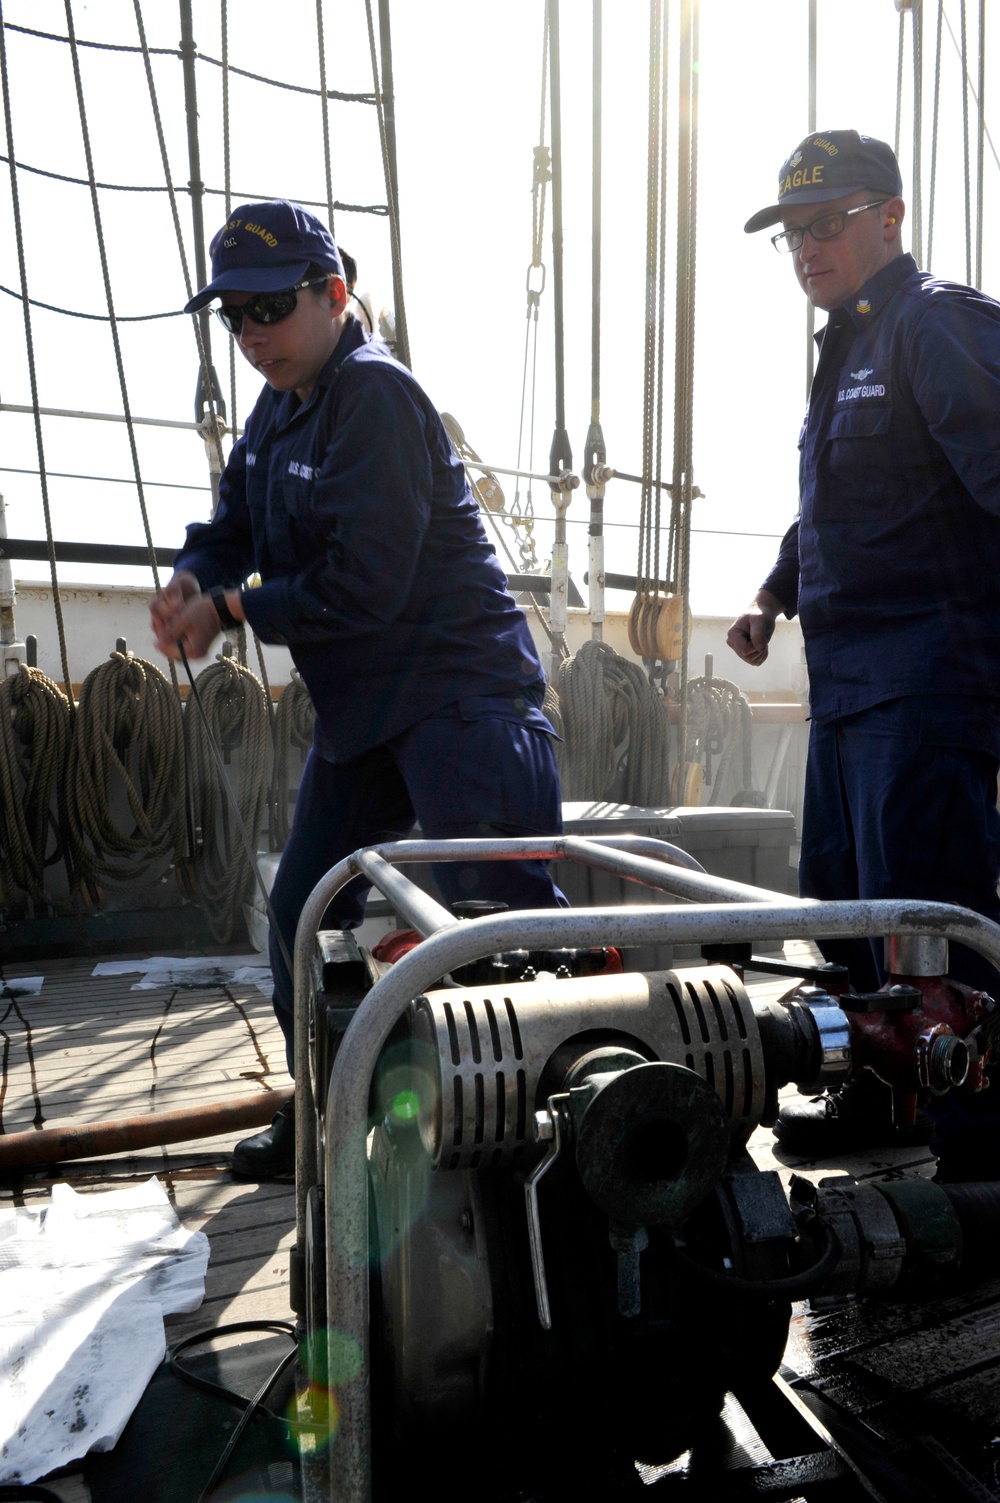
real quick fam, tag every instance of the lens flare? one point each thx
(405, 1106)
(314, 1416)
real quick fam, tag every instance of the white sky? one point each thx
(467, 106)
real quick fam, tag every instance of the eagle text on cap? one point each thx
(806, 177)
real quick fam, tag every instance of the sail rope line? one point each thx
(380, 211)
(214, 424)
(402, 337)
(900, 43)
(650, 495)
(980, 153)
(102, 318)
(321, 49)
(687, 226)
(935, 118)
(32, 369)
(970, 85)
(228, 186)
(653, 624)
(523, 517)
(228, 189)
(917, 202)
(964, 54)
(277, 83)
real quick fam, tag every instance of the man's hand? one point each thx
(750, 633)
(182, 617)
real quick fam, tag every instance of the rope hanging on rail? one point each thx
(293, 736)
(233, 700)
(125, 776)
(34, 744)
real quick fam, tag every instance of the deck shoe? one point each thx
(858, 1115)
(269, 1153)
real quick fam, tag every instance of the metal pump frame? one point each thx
(717, 911)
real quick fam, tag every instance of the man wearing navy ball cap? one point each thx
(892, 567)
(345, 496)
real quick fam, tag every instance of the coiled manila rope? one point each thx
(616, 729)
(125, 776)
(34, 742)
(720, 724)
(233, 701)
(293, 732)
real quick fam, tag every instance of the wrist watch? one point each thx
(227, 620)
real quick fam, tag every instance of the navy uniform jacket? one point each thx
(894, 564)
(375, 569)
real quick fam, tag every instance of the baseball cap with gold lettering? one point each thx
(266, 248)
(829, 164)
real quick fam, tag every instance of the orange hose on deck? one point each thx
(50, 1145)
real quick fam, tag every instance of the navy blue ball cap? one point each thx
(266, 248)
(831, 164)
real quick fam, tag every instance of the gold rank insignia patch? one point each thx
(863, 305)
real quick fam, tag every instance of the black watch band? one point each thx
(226, 618)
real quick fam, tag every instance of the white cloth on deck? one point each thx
(84, 1285)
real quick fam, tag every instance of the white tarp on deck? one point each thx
(84, 1286)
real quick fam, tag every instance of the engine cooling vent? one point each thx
(492, 1046)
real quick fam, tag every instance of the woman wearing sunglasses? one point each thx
(345, 496)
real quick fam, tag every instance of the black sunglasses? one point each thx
(266, 307)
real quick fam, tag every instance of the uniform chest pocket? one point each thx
(859, 422)
(859, 473)
(296, 494)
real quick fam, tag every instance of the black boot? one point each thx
(271, 1153)
(858, 1115)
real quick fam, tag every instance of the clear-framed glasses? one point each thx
(264, 307)
(826, 227)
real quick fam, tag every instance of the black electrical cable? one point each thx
(249, 1406)
(795, 1286)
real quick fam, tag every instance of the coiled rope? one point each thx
(34, 745)
(720, 725)
(127, 741)
(616, 729)
(293, 732)
(233, 702)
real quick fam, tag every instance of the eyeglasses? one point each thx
(827, 227)
(265, 307)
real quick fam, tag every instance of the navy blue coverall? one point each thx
(893, 566)
(376, 573)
